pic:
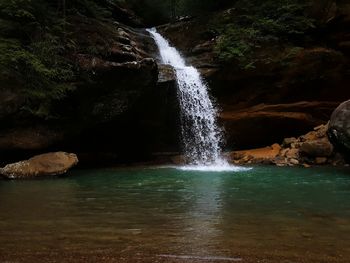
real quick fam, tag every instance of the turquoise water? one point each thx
(266, 214)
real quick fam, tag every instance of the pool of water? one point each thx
(265, 214)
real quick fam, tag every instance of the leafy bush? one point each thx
(254, 23)
(35, 45)
(237, 42)
(42, 73)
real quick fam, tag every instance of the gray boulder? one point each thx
(339, 128)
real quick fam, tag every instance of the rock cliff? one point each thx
(294, 88)
(118, 110)
(124, 106)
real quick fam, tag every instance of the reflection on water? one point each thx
(166, 215)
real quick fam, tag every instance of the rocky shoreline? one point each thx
(124, 109)
(313, 148)
(326, 144)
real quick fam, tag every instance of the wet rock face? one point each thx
(41, 165)
(166, 74)
(33, 138)
(118, 105)
(314, 73)
(339, 128)
(279, 99)
(10, 102)
(125, 15)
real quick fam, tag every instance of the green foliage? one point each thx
(20, 10)
(161, 11)
(90, 8)
(242, 30)
(254, 23)
(35, 43)
(42, 73)
(197, 7)
(288, 18)
(236, 42)
(289, 55)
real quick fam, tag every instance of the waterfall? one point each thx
(201, 136)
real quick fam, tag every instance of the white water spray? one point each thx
(201, 135)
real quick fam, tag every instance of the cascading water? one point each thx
(201, 135)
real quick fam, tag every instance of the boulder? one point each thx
(310, 136)
(288, 141)
(317, 148)
(294, 161)
(292, 153)
(55, 163)
(313, 148)
(166, 74)
(339, 128)
(337, 160)
(321, 131)
(261, 155)
(280, 161)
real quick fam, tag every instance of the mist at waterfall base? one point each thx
(201, 136)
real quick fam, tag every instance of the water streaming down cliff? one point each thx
(201, 135)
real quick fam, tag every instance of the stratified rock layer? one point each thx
(278, 99)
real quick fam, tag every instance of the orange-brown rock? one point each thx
(310, 136)
(312, 148)
(292, 153)
(259, 155)
(288, 141)
(41, 165)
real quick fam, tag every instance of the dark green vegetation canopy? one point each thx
(252, 24)
(36, 40)
(163, 11)
(35, 44)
